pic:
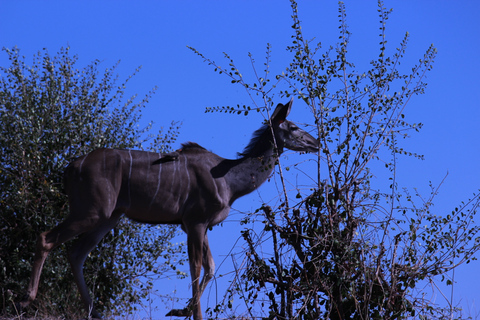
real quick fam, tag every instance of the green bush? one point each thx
(50, 113)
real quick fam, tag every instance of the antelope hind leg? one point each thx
(46, 242)
(79, 253)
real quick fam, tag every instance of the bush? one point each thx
(342, 249)
(50, 113)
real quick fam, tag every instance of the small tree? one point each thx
(345, 249)
(50, 113)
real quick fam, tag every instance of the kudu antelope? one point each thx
(191, 187)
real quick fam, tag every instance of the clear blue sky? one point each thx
(154, 34)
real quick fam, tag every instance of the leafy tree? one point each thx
(50, 113)
(345, 249)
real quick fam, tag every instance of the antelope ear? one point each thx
(281, 111)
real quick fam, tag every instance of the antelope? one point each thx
(192, 187)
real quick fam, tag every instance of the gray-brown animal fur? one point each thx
(191, 187)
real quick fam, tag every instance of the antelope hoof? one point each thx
(185, 312)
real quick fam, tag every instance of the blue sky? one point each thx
(155, 35)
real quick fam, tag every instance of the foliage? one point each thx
(50, 113)
(346, 250)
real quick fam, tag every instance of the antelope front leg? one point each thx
(209, 270)
(195, 242)
(208, 265)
